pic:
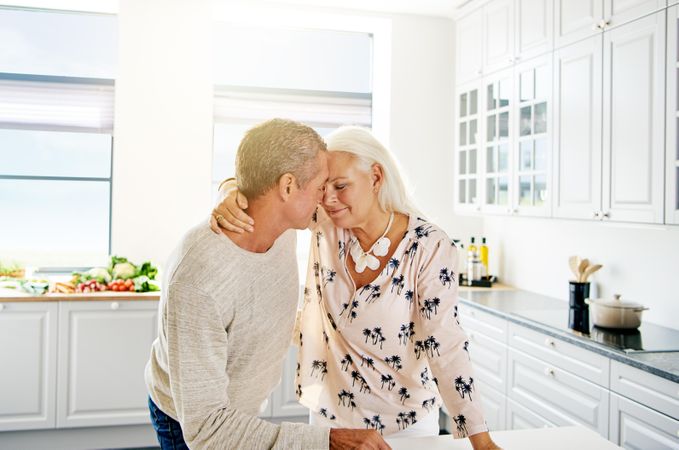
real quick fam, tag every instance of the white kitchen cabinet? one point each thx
(558, 396)
(576, 20)
(498, 114)
(635, 426)
(672, 114)
(28, 351)
(469, 47)
(534, 28)
(618, 12)
(654, 392)
(494, 407)
(578, 71)
(498, 37)
(104, 347)
(284, 399)
(531, 180)
(633, 121)
(467, 152)
(521, 418)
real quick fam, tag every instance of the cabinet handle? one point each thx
(606, 215)
(596, 214)
(596, 26)
(549, 342)
(479, 72)
(515, 211)
(115, 305)
(549, 371)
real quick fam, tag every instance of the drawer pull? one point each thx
(549, 372)
(550, 342)
(115, 305)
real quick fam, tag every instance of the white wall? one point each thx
(163, 126)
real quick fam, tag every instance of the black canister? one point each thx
(578, 310)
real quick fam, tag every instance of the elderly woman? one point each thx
(380, 345)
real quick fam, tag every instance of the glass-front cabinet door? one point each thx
(467, 148)
(497, 104)
(672, 142)
(531, 180)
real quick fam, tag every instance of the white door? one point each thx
(636, 426)
(468, 53)
(104, 348)
(672, 141)
(467, 148)
(532, 149)
(28, 351)
(534, 28)
(618, 12)
(497, 118)
(284, 397)
(577, 129)
(634, 119)
(498, 27)
(576, 20)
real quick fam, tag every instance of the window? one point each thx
(318, 77)
(56, 142)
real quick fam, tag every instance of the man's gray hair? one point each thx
(273, 148)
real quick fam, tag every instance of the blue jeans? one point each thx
(168, 430)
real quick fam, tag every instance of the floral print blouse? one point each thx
(388, 353)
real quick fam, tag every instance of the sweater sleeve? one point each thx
(197, 355)
(444, 342)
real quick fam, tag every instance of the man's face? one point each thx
(306, 198)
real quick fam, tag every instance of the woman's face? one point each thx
(350, 193)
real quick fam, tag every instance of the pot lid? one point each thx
(617, 302)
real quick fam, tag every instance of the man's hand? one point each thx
(482, 441)
(229, 213)
(346, 438)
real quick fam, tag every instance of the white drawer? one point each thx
(474, 319)
(489, 359)
(557, 395)
(577, 360)
(635, 426)
(650, 390)
(521, 418)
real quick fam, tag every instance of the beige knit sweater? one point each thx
(226, 317)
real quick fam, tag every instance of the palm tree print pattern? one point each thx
(393, 336)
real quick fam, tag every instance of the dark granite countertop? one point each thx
(653, 348)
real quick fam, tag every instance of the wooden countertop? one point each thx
(496, 287)
(560, 438)
(13, 295)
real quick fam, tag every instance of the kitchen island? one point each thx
(561, 438)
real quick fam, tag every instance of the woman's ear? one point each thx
(377, 176)
(285, 183)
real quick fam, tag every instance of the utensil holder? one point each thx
(578, 310)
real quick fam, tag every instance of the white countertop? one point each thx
(561, 438)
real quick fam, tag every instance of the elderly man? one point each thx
(228, 306)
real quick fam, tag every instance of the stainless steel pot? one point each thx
(615, 313)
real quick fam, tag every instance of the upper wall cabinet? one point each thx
(618, 12)
(534, 28)
(633, 122)
(469, 46)
(576, 20)
(498, 27)
(468, 147)
(577, 129)
(672, 140)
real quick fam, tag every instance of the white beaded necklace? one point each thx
(379, 248)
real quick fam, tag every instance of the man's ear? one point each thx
(285, 185)
(377, 176)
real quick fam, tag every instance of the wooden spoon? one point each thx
(573, 263)
(582, 267)
(590, 270)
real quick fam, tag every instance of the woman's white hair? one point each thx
(367, 150)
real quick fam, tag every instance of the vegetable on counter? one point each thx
(121, 275)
